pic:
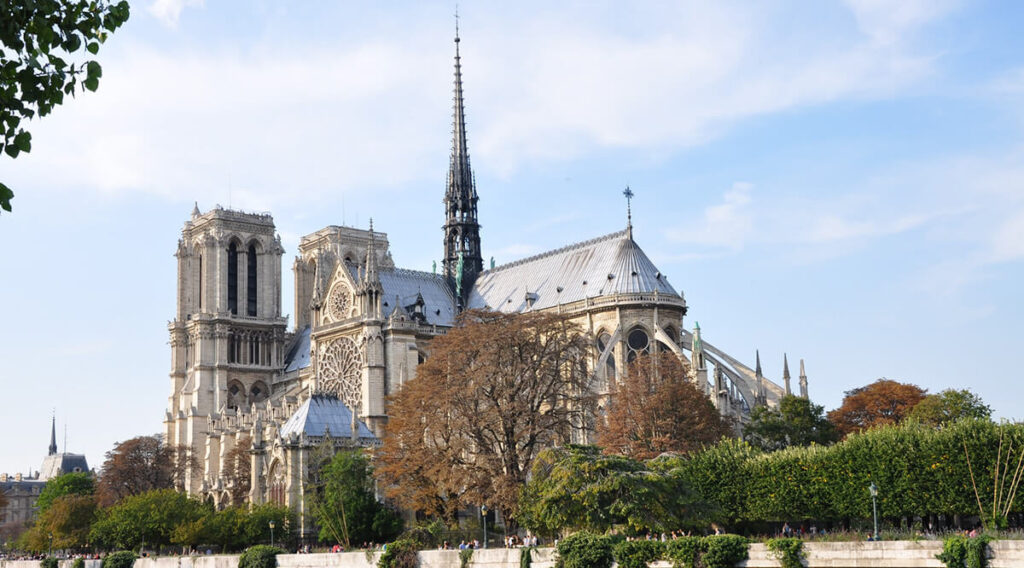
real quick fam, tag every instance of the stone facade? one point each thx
(363, 325)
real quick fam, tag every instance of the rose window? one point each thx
(339, 368)
(339, 303)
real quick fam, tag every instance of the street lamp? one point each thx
(271, 533)
(874, 504)
(483, 513)
(51, 545)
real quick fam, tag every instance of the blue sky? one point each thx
(839, 181)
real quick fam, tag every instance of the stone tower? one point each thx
(227, 337)
(462, 257)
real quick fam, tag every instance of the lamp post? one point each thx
(874, 504)
(271, 533)
(483, 513)
(51, 545)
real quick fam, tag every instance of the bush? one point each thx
(120, 559)
(49, 562)
(788, 551)
(400, 554)
(685, 551)
(465, 556)
(78, 563)
(526, 557)
(964, 552)
(638, 553)
(584, 550)
(259, 556)
(724, 551)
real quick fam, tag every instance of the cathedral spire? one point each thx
(785, 373)
(53, 436)
(461, 228)
(760, 396)
(629, 211)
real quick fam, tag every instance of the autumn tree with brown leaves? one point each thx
(496, 390)
(655, 409)
(882, 402)
(237, 471)
(142, 464)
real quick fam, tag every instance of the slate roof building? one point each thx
(362, 325)
(22, 490)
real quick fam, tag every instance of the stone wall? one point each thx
(891, 554)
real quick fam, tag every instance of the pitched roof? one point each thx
(438, 300)
(608, 265)
(320, 413)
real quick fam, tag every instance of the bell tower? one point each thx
(227, 337)
(462, 258)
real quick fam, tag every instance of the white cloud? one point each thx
(169, 11)
(727, 224)
(888, 22)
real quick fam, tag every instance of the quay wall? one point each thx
(886, 554)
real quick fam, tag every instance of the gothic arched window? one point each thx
(609, 366)
(638, 342)
(233, 278)
(251, 282)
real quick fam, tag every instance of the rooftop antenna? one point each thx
(629, 211)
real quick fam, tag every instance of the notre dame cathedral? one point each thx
(239, 376)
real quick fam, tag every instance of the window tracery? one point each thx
(339, 303)
(339, 369)
(638, 343)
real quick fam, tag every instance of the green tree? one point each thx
(149, 518)
(949, 406)
(67, 484)
(796, 422)
(345, 506)
(41, 61)
(718, 473)
(68, 518)
(577, 488)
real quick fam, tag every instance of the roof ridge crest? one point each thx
(553, 252)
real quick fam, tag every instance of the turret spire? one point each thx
(53, 436)
(461, 228)
(760, 396)
(803, 380)
(785, 373)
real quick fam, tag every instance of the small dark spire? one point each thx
(53, 436)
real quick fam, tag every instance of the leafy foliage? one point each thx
(584, 550)
(497, 389)
(259, 556)
(78, 563)
(151, 517)
(724, 551)
(964, 552)
(949, 406)
(465, 556)
(67, 484)
(788, 551)
(882, 402)
(68, 518)
(718, 474)
(638, 553)
(796, 422)
(400, 554)
(345, 506)
(39, 44)
(49, 562)
(135, 466)
(655, 408)
(119, 559)
(576, 487)
(685, 551)
(237, 471)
